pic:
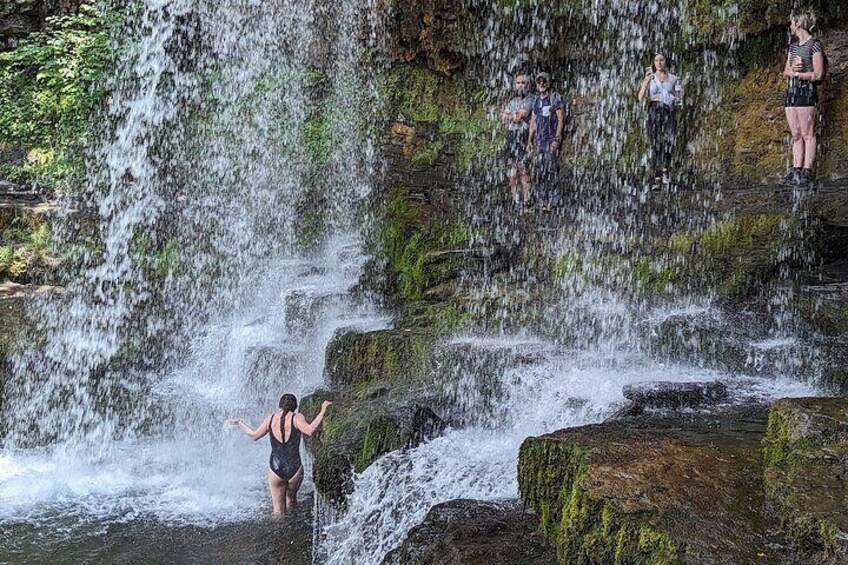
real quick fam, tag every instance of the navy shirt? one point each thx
(544, 113)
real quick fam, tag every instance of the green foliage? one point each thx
(50, 88)
(40, 238)
(24, 247)
(457, 110)
(7, 253)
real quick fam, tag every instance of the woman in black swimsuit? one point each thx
(285, 470)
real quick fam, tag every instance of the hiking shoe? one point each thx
(806, 176)
(793, 176)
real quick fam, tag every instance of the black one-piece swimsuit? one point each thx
(285, 455)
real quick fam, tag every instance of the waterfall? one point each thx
(222, 230)
(226, 198)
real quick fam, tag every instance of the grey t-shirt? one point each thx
(805, 52)
(516, 104)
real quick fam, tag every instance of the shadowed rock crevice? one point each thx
(463, 532)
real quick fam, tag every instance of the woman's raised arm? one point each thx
(256, 434)
(309, 428)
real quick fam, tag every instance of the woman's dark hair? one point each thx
(288, 403)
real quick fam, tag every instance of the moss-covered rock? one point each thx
(650, 491)
(806, 456)
(383, 401)
(423, 253)
(355, 358)
(439, 115)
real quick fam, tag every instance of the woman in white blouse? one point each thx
(664, 93)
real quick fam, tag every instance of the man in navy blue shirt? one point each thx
(546, 125)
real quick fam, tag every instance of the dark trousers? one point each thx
(662, 129)
(546, 177)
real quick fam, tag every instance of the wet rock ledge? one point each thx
(696, 489)
(470, 531)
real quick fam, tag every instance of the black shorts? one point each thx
(515, 149)
(801, 93)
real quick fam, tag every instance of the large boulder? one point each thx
(462, 532)
(806, 456)
(382, 402)
(681, 490)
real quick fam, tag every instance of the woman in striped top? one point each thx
(804, 67)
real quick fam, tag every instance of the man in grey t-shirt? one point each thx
(516, 117)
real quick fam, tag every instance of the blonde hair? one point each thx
(805, 19)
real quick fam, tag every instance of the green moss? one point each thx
(774, 445)
(382, 436)
(804, 443)
(428, 154)
(733, 258)
(455, 108)
(551, 474)
(415, 248)
(355, 358)
(167, 258)
(316, 138)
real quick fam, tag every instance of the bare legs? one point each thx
(284, 493)
(519, 178)
(802, 126)
(292, 488)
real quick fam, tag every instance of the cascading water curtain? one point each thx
(553, 349)
(225, 193)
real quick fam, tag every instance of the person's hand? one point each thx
(648, 75)
(506, 116)
(326, 404)
(234, 421)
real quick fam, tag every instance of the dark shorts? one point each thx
(515, 149)
(801, 93)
